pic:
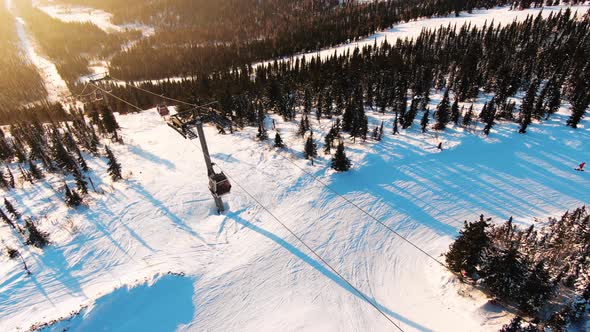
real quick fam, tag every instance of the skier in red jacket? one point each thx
(581, 167)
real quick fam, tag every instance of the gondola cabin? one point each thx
(219, 184)
(163, 110)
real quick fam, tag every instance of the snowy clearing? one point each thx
(100, 18)
(248, 273)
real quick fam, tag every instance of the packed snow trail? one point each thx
(57, 89)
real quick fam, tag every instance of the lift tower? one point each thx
(184, 123)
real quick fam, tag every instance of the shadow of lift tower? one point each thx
(185, 123)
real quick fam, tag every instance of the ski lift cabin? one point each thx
(219, 184)
(98, 95)
(163, 110)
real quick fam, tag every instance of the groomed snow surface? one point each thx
(246, 272)
(243, 271)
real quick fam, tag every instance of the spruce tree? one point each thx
(410, 115)
(35, 171)
(578, 110)
(71, 198)
(310, 149)
(81, 183)
(11, 182)
(537, 289)
(7, 220)
(328, 139)
(279, 141)
(3, 182)
(425, 120)
(82, 162)
(11, 209)
(303, 126)
(340, 162)
(489, 121)
(554, 100)
(35, 237)
(467, 252)
(504, 274)
(455, 113)
(442, 112)
(526, 109)
(114, 168)
(109, 121)
(468, 118)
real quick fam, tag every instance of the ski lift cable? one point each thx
(364, 211)
(164, 97)
(314, 252)
(363, 296)
(321, 182)
(116, 97)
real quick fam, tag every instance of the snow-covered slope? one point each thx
(247, 272)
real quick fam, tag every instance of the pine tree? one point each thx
(81, 184)
(467, 252)
(504, 273)
(536, 289)
(489, 121)
(7, 220)
(442, 112)
(340, 162)
(10, 178)
(3, 182)
(468, 118)
(410, 115)
(307, 102)
(578, 111)
(303, 126)
(554, 100)
(526, 109)
(109, 121)
(395, 128)
(72, 198)
(11, 209)
(114, 168)
(82, 162)
(35, 237)
(455, 113)
(279, 141)
(310, 149)
(35, 171)
(329, 139)
(425, 120)
(60, 154)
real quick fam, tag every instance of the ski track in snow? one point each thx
(57, 89)
(248, 274)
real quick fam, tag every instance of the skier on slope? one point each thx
(581, 167)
